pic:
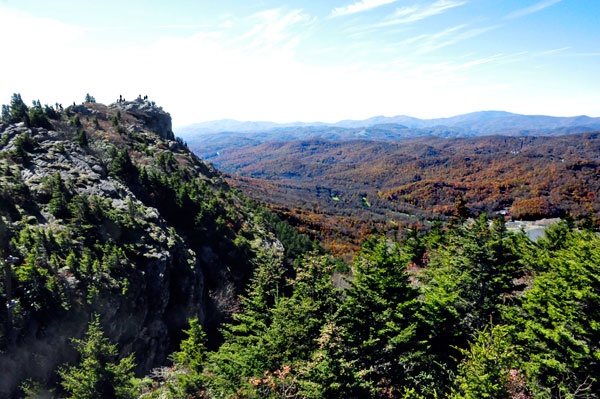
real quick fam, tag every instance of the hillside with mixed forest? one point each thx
(131, 269)
(340, 190)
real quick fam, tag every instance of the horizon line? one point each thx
(377, 116)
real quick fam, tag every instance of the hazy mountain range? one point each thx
(472, 124)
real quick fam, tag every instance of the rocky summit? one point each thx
(103, 211)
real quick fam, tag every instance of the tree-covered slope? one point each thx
(103, 211)
(466, 311)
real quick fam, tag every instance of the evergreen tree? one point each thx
(558, 321)
(58, 205)
(75, 121)
(483, 263)
(379, 321)
(5, 117)
(82, 138)
(241, 356)
(121, 164)
(190, 359)
(275, 333)
(18, 111)
(98, 375)
(490, 368)
(37, 116)
(51, 113)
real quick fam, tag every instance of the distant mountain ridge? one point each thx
(479, 123)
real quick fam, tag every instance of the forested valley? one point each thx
(340, 191)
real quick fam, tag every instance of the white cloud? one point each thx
(532, 9)
(192, 26)
(412, 14)
(409, 14)
(273, 28)
(106, 28)
(597, 54)
(553, 51)
(359, 6)
(432, 37)
(429, 42)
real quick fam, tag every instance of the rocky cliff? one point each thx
(104, 211)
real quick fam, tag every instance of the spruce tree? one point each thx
(379, 320)
(18, 110)
(58, 205)
(99, 375)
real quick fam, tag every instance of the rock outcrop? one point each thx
(169, 267)
(150, 115)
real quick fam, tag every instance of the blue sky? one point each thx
(307, 60)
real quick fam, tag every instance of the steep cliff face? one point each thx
(107, 213)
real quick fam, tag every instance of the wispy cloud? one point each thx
(532, 9)
(410, 14)
(431, 37)
(429, 42)
(106, 28)
(160, 27)
(552, 51)
(597, 54)
(359, 6)
(274, 27)
(469, 34)
(199, 26)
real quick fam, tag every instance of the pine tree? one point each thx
(58, 205)
(190, 359)
(98, 375)
(490, 368)
(558, 320)
(121, 164)
(242, 356)
(379, 320)
(82, 138)
(37, 116)
(5, 118)
(18, 110)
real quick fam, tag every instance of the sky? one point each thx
(307, 60)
